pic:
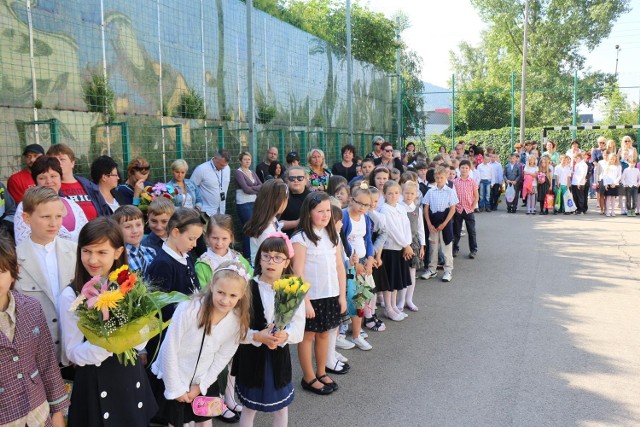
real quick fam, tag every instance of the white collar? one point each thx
(48, 248)
(182, 259)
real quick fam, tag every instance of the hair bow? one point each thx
(286, 241)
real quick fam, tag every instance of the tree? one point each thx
(558, 29)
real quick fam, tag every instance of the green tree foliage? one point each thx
(558, 29)
(616, 109)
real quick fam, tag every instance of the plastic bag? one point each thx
(549, 201)
(569, 203)
(558, 203)
(510, 193)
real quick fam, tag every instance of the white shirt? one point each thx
(178, 353)
(356, 238)
(630, 177)
(485, 171)
(320, 268)
(421, 236)
(612, 175)
(212, 183)
(398, 226)
(255, 242)
(579, 173)
(48, 261)
(562, 174)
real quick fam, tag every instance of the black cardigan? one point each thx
(248, 363)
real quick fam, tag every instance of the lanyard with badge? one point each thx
(219, 176)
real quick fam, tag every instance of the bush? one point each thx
(191, 106)
(99, 96)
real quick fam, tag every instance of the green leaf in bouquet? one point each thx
(283, 308)
(367, 294)
(163, 299)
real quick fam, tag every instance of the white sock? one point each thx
(401, 299)
(281, 417)
(247, 417)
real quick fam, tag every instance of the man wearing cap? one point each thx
(293, 159)
(262, 170)
(19, 182)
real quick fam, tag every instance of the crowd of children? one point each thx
(378, 229)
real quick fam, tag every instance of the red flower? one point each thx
(167, 196)
(360, 312)
(128, 284)
(122, 277)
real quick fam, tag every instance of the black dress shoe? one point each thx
(229, 420)
(321, 391)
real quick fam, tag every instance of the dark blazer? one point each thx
(30, 373)
(397, 163)
(512, 172)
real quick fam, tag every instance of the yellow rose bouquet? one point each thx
(120, 312)
(290, 293)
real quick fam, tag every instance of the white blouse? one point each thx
(178, 353)
(255, 242)
(398, 226)
(320, 268)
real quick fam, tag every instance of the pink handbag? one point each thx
(205, 406)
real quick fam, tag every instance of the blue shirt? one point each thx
(139, 257)
(440, 199)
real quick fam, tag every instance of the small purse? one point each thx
(206, 406)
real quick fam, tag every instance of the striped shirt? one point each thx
(440, 199)
(465, 190)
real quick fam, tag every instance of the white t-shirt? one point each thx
(562, 174)
(255, 242)
(320, 265)
(356, 238)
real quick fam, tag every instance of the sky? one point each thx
(438, 27)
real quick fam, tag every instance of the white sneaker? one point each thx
(340, 357)
(361, 343)
(364, 335)
(343, 343)
(446, 277)
(428, 275)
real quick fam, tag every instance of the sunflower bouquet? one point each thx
(160, 189)
(120, 312)
(290, 293)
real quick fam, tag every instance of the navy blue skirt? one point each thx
(267, 398)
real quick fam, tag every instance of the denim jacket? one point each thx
(193, 191)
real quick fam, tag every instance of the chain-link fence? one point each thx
(168, 79)
(491, 116)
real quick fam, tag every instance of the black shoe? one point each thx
(455, 253)
(343, 370)
(473, 254)
(321, 391)
(333, 385)
(229, 420)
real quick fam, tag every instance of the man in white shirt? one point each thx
(47, 262)
(485, 173)
(496, 180)
(578, 181)
(213, 179)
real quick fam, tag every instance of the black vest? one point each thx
(248, 363)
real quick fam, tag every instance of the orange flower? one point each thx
(128, 284)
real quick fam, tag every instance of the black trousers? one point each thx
(495, 195)
(579, 197)
(470, 220)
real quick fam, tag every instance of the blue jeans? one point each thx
(244, 213)
(485, 192)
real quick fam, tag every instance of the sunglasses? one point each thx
(388, 151)
(142, 169)
(298, 178)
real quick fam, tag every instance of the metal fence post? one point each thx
(362, 146)
(574, 122)
(55, 134)
(220, 138)
(281, 147)
(124, 132)
(453, 111)
(179, 141)
(513, 109)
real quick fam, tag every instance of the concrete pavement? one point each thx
(541, 329)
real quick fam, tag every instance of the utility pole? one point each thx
(523, 88)
(618, 49)
(399, 87)
(349, 74)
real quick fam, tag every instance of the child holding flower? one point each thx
(105, 392)
(262, 365)
(202, 338)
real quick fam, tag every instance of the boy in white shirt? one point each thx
(578, 181)
(630, 181)
(47, 262)
(485, 173)
(496, 181)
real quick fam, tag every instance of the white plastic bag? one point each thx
(510, 194)
(569, 204)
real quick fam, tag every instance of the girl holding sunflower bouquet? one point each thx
(105, 392)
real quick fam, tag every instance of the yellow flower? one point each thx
(294, 288)
(108, 299)
(304, 288)
(113, 276)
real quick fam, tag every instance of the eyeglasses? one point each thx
(298, 178)
(364, 205)
(112, 175)
(278, 259)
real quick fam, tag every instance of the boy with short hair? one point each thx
(467, 192)
(439, 208)
(47, 262)
(485, 173)
(131, 222)
(158, 213)
(512, 175)
(496, 181)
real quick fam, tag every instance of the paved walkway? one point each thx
(542, 329)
